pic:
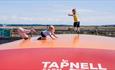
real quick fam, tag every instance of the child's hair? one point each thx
(74, 11)
(52, 28)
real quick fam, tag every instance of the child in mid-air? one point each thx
(49, 32)
(76, 20)
(24, 32)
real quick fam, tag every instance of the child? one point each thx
(76, 20)
(49, 32)
(24, 32)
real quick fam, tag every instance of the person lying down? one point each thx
(24, 32)
(49, 32)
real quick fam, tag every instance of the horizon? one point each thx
(55, 12)
(50, 24)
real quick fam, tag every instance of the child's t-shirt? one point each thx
(75, 18)
(46, 32)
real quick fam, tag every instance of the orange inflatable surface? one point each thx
(67, 52)
(64, 41)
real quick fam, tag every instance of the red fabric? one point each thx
(31, 59)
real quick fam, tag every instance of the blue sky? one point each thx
(91, 12)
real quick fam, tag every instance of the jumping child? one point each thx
(76, 20)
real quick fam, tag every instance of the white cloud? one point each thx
(94, 16)
(16, 18)
(85, 15)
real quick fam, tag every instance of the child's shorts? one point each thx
(42, 34)
(76, 24)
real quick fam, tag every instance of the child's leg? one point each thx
(78, 26)
(78, 29)
(75, 26)
(22, 34)
(26, 38)
(40, 38)
(44, 38)
(75, 29)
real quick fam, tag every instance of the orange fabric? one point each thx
(64, 41)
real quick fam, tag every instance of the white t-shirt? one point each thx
(46, 32)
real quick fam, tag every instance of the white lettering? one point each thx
(74, 65)
(46, 64)
(92, 67)
(71, 66)
(53, 65)
(64, 63)
(84, 66)
(100, 67)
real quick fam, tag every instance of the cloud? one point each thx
(16, 18)
(86, 16)
(86, 11)
(94, 16)
(99, 19)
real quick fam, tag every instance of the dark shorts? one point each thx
(26, 38)
(76, 24)
(42, 34)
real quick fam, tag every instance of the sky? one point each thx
(90, 12)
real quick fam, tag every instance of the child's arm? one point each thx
(70, 14)
(54, 35)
